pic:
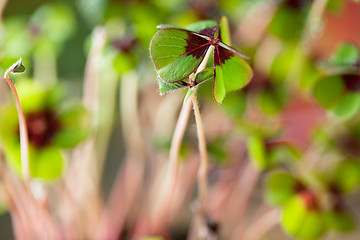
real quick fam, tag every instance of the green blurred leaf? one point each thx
(225, 30)
(54, 21)
(280, 187)
(46, 164)
(309, 74)
(347, 107)
(347, 176)
(151, 238)
(198, 26)
(284, 153)
(271, 102)
(346, 54)
(234, 104)
(33, 96)
(340, 221)
(328, 91)
(168, 4)
(75, 122)
(334, 4)
(143, 18)
(287, 23)
(257, 152)
(15, 41)
(301, 222)
(9, 122)
(124, 62)
(92, 10)
(289, 59)
(12, 154)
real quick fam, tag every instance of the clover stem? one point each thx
(178, 136)
(165, 198)
(173, 169)
(204, 163)
(24, 140)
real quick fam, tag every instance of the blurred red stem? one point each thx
(262, 225)
(24, 140)
(165, 199)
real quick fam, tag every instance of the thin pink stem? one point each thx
(24, 139)
(204, 163)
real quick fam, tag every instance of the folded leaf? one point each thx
(165, 87)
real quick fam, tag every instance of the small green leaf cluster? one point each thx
(337, 91)
(266, 153)
(52, 125)
(308, 213)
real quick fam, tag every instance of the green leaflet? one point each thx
(168, 52)
(224, 30)
(196, 27)
(232, 74)
(347, 54)
(165, 87)
(219, 91)
(204, 75)
(167, 46)
(301, 222)
(280, 187)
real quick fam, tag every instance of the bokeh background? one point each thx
(289, 119)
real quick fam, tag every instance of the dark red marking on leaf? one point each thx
(221, 55)
(352, 82)
(310, 200)
(208, 32)
(42, 127)
(196, 46)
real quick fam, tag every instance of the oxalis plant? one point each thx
(186, 58)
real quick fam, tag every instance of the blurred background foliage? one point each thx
(296, 123)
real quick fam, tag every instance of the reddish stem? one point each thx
(24, 139)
